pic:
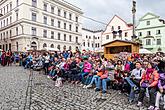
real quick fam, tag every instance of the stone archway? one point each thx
(34, 45)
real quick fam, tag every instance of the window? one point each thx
(157, 31)
(45, 7)
(10, 19)
(7, 21)
(64, 37)
(45, 33)
(33, 31)
(16, 30)
(92, 44)
(52, 35)
(120, 34)
(98, 37)
(76, 29)
(84, 44)
(70, 38)
(70, 27)
(4, 24)
(34, 3)
(10, 33)
(58, 47)
(148, 22)
(7, 35)
(52, 46)
(86, 36)
(52, 22)
(148, 33)
(140, 33)
(70, 16)
(52, 9)
(17, 2)
(148, 41)
(118, 27)
(88, 44)
(44, 45)
(45, 20)
(34, 16)
(112, 29)
(64, 25)
(59, 23)
(17, 16)
(126, 34)
(64, 14)
(96, 45)
(76, 39)
(10, 6)
(107, 36)
(59, 36)
(89, 37)
(7, 8)
(4, 10)
(70, 48)
(59, 12)
(158, 42)
(76, 19)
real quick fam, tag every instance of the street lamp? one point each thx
(133, 18)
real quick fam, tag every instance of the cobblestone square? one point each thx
(25, 90)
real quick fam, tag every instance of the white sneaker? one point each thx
(151, 107)
(84, 86)
(48, 76)
(103, 96)
(139, 104)
(89, 86)
(81, 85)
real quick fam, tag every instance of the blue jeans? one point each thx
(88, 79)
(132, 92)
(94, 79)
(83, 77)
(104, 84)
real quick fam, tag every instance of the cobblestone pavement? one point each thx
(13, 87)
(21, 90)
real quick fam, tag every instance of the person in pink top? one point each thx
(86, 69)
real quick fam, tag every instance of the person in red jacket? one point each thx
(149, 82)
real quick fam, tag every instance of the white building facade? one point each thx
(151, 31)
(117, 29)
(92, 40)
(38, 24)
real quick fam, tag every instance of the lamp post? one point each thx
(133, 18)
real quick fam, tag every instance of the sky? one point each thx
(104, 10)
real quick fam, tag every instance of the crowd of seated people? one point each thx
(142, 75)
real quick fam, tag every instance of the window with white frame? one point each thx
(158, 41)
(45, 7)
(34, 3)
(52, 34)
(34, 16)
(52, 22)
(52, 9)
(148, 41)
(34, 31)
(45, 20)
(45, 33)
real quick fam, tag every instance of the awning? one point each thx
(144, 51)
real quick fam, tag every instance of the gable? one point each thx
(148, 16)
(116, 21)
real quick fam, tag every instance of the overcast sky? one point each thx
(104, 10)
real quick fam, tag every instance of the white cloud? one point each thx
(104, 10)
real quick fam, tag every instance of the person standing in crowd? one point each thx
(8, 57)
(149, 82)
(3, 56)
(46, 63)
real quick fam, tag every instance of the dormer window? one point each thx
(148, 22)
